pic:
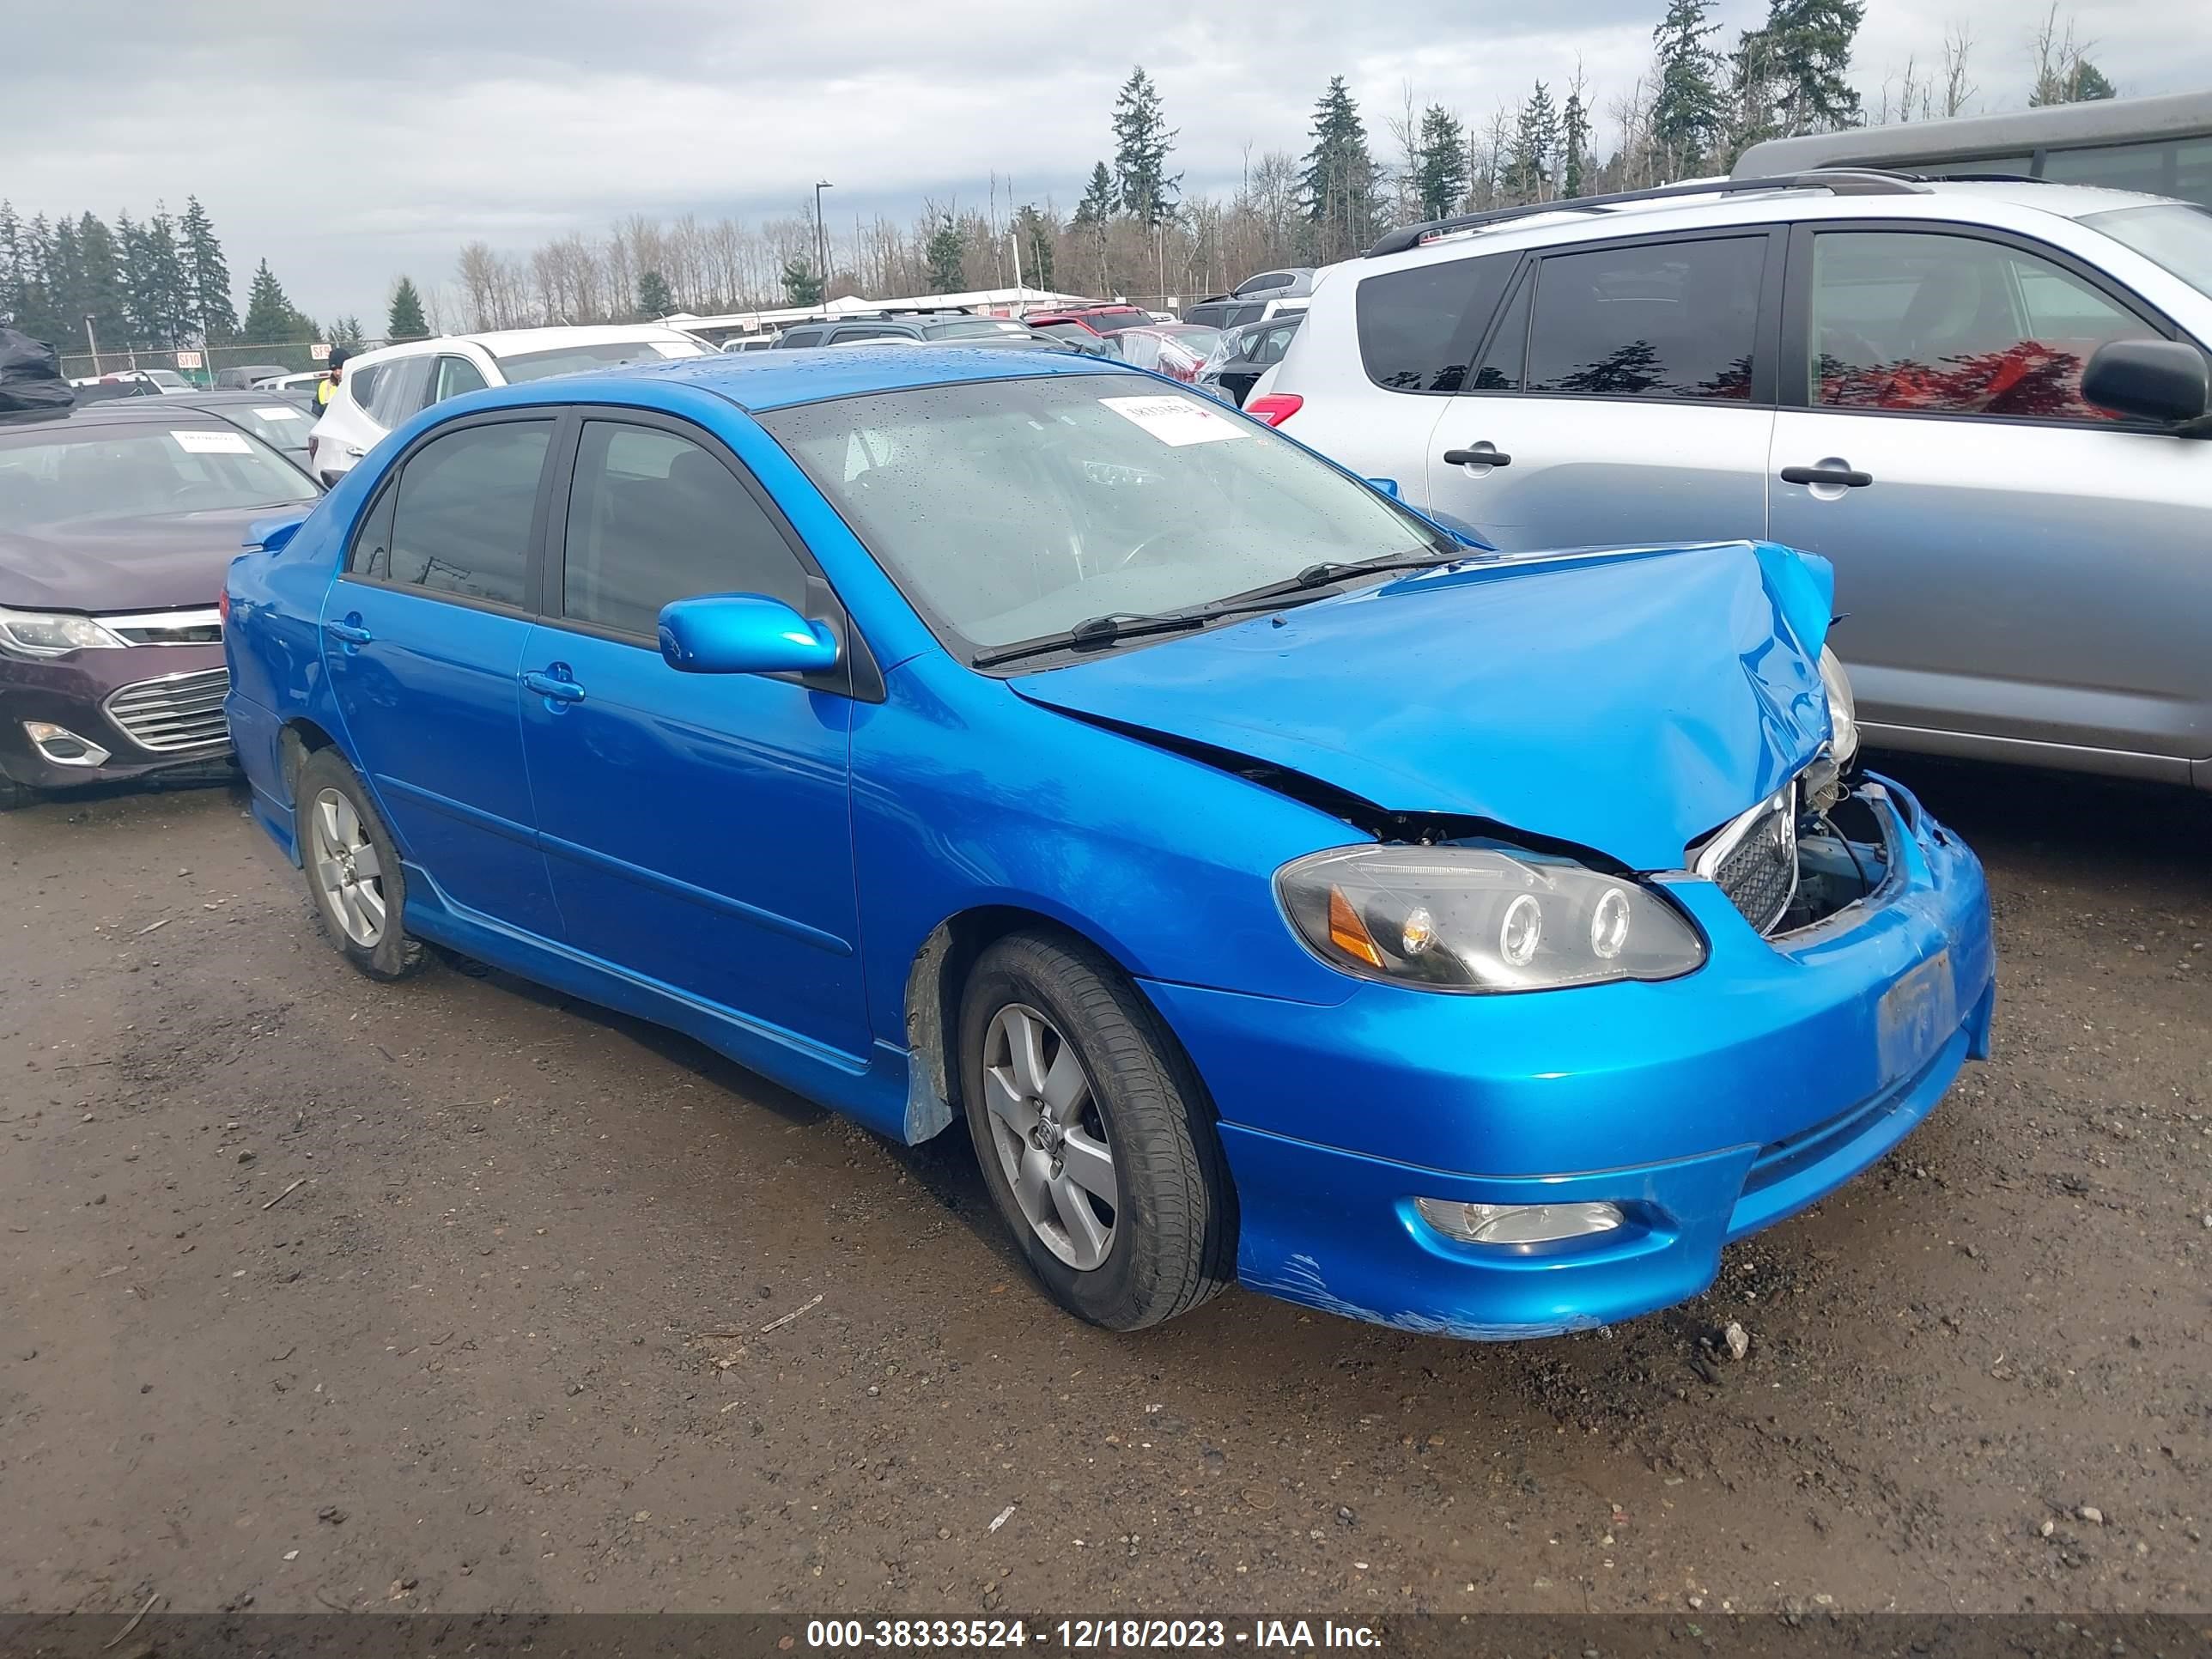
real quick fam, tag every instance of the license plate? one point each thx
(1916, 1016)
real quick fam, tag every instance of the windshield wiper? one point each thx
(1115, 626)
(1096, 631)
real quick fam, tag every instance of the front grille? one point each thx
(180, 711)
(1753, 859)
(202, 625)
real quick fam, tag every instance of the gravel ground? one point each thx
(321, 1294)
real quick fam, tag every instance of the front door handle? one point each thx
(1844, 477)
(554, 684)
(1485, 453)
(349, 630)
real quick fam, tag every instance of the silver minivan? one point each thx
(1984, 401)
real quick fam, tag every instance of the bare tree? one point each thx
(1957, 90)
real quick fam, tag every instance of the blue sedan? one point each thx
(1282, 889)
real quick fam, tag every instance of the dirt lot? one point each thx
(316, 1293)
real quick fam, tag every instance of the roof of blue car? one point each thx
(777, 380)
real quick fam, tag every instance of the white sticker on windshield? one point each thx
(275, 414)
(1175, 421)
(212, 443)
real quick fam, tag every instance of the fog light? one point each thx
(1517, 1223)
(63, 747)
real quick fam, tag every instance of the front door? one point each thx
(422, 636)
(1625, 395)
(697, 825)
(2011, 563)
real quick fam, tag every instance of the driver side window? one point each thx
(1944, 324)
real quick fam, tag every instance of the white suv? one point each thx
(381, 389)
(1983, 401)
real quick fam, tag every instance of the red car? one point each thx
(1100, 320)
(1178, 350)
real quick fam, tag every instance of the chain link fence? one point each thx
(202, 367)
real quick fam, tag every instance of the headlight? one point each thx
(1473, 919)
(51, 634)
(1843, 711)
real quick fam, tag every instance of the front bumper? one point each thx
(1706, 1107)
(78, 691)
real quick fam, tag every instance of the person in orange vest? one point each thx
(326, 388)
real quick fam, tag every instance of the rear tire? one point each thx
(1071, 1083)
(353, 870)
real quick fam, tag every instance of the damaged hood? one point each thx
(1628, 701)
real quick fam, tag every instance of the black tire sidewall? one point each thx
(1145, 1275)
(395, 954)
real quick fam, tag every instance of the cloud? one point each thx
(346, 158)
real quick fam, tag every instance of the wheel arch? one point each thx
(935, 979)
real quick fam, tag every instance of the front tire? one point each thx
(14, 794)
(353, 870)
(1094, 1134)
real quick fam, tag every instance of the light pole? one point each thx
(822, 238)
(93, 340)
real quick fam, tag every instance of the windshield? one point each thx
(1011, 509)
(576, 359)
(139, 473)
(2174, 235)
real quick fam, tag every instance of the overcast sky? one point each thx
(349, 142)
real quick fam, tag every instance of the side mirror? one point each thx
(743, 634)
(2161, 380)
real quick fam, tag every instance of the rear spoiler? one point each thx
(269, 535)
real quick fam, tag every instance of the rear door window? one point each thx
(1419, 327)
(1673, 320)
(653, 517)
(461, 515)
(403, 389)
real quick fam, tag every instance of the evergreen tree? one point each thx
(207, 274)
(1440, 163)
(1339, 182)
(1033, 234)
(270, 318)
(14, 277)
(1142, 142)
(943, 256)
(1574, 145)
(347, 331)
(171, 284)
(404, 320)
(1096, 206)
(653, 299)
(1807, 46)
(1685, 112)
(98, 292)
(802, 283)
(1528, 167)
(141, 307)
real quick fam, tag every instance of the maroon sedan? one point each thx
(116, 523)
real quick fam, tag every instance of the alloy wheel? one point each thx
(347, 870)
(1049, 1135)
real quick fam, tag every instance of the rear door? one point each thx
(423, 634)
(1625, 395)
(2012, 566)
(1415, 333)
(697, 825)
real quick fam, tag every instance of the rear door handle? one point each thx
(1483, 454)
(1847, 478)
(349, 630)
(554, 687)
